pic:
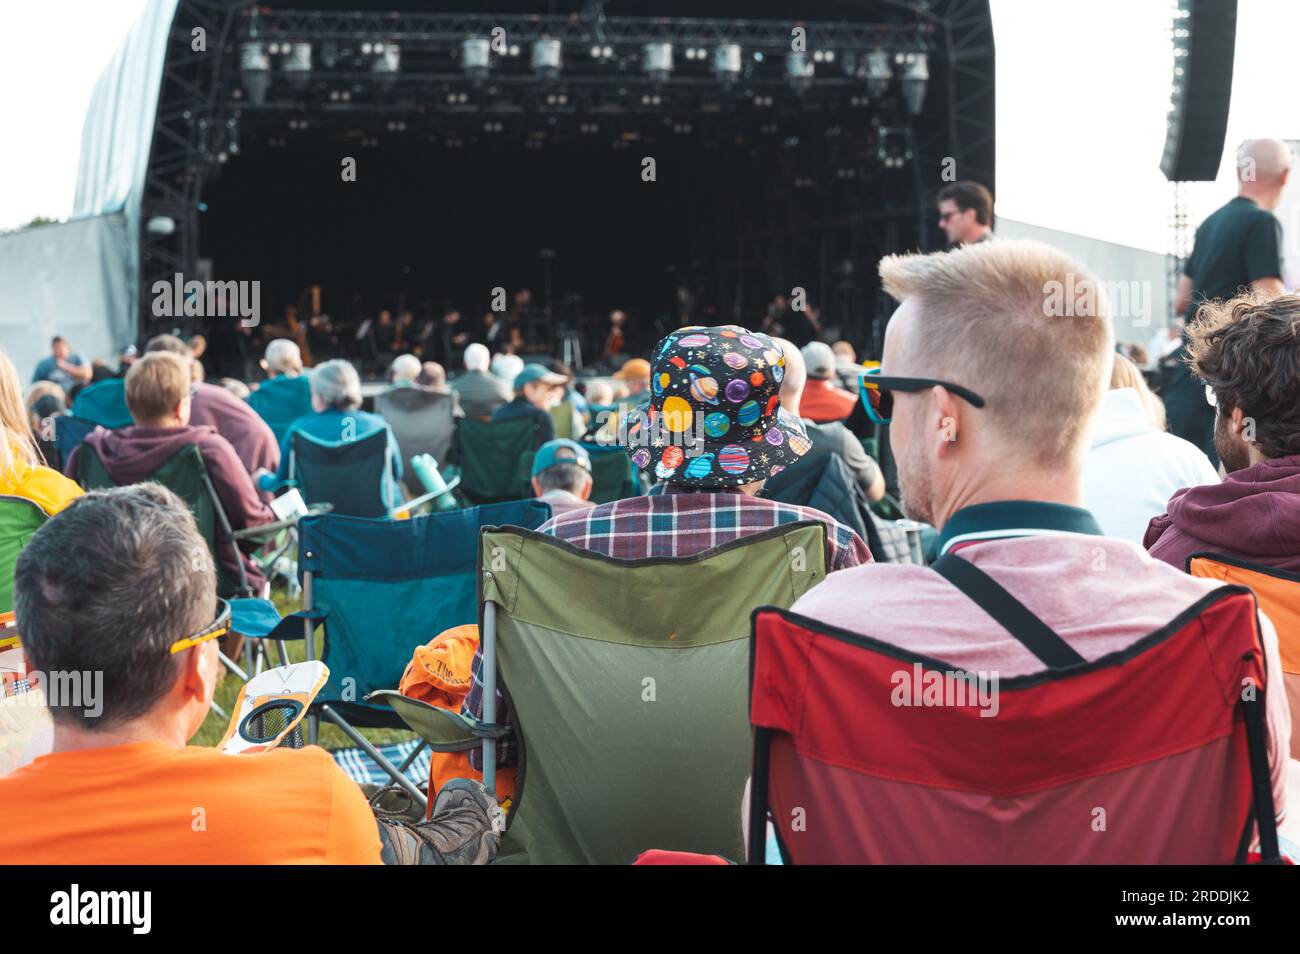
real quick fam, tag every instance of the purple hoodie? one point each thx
(1253, 515)
(131, 454)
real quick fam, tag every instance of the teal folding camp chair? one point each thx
(380, 588)
(626, 681)
(423, 421)
(280, 401)
(496, 459)
(103, 403)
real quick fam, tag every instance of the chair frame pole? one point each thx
(308, 641)
(366, 746)
(490, 693)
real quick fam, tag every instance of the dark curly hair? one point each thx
(1248, 350)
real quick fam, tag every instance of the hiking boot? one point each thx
(465, 829)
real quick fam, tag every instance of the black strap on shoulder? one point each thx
(1035, 635)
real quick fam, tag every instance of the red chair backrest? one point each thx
(1138, 757)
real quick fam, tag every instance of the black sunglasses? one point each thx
(876, 391)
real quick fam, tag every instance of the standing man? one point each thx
(1238, 247)
(966, 212)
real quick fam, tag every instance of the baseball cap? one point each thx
(634, 369)
(560, 451)
(819, 359)
(715, 417)
(537, 372)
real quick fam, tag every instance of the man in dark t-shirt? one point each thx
(1239, 247)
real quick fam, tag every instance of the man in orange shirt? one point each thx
(116, 602)
(822, 401)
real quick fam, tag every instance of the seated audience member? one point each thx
(233, 419)
(562, 476)
(506, 366)
(336, 416)
(829, 438)
(158, 395)
(405, 369)
(236, 387)
(822, 401)
(602, 423)
(22, 471)
(1133, 463)
(537, 390)
(847, 367)
(44, 402)
(1003, 482)
(432, 376)
(635, 376)
(480, 392)
(285, 395)
(120, 586)
(62, 366)
(1248, 352)
(706, 495)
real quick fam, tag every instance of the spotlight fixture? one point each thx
(476, 57)
(546, 58)
(388, 59)
(726, 63)
(799, 71)
(296, 63)
(916, 73)
(879, 73)
(255, 71)
(657, 61)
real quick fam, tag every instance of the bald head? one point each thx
(796, 375)
(1263, 167)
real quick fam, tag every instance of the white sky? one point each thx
(1082, 93)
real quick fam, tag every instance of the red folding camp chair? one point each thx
(1151, 755)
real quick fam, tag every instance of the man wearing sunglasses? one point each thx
(990, 395)
(118, 591)
(966, 213)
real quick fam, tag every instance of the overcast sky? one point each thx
(1083, 87)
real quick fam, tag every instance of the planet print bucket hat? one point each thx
(714, 417)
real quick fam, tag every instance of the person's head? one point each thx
(1263, 168)
(635, 373)
(617, 318)
(405, 369)
(714, 421)
(16, 443)
(171, 345)
(507, 367)
(432, 376)
(282, 357)
(562, 465)
(60, 348)
(477, 357)
(1247, 350)
(540, 387)
(451, 317)
(990, 318)
(335, 386)
(796, 376)
(235, 386)
(965, 211)
(819, 361)
(600, 392)
(1126, 374)
(844, 352)
(108, 587)
(158, 390)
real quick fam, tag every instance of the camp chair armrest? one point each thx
(443, 729)
(425, 498)
(264, 531)
(290, 627)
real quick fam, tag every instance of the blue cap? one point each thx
(560, 451)
(538, 372)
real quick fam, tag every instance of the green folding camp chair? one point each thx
(496, 459)
(19, 519)
(562, 415)
(613, 475)
(627, 680)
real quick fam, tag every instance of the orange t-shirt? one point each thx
(822, 402)
(150, 803)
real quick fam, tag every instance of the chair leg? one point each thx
(410, 759)
(284, 652)
(232, 666)
(365, 745)
(218, 710)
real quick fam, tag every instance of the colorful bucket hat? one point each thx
(714, 417)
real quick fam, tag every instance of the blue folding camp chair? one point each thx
(69, 432)
(381, 588)
(355, 477)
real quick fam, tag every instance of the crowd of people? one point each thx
(1024, 443)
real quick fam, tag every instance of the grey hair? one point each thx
(337, 384)
(563, 476)
(406, 367)
(477, 357)
(283, 355)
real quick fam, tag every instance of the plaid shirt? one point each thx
(668, 522)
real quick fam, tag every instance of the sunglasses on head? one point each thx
(877, 392)
(218, 627)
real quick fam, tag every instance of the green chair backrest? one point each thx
(613, 475)
(562, 415)
(495, 459)
(629, 685)
(19, 519)
(185, 474)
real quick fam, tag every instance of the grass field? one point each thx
(214, 727)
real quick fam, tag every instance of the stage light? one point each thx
(389, 59)
(255, 71)
(879, 73)
(916, 73)
(476, 57)
(657, 61)
(799, 71)
(546, 58)
(726, 62)
(297, 63)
